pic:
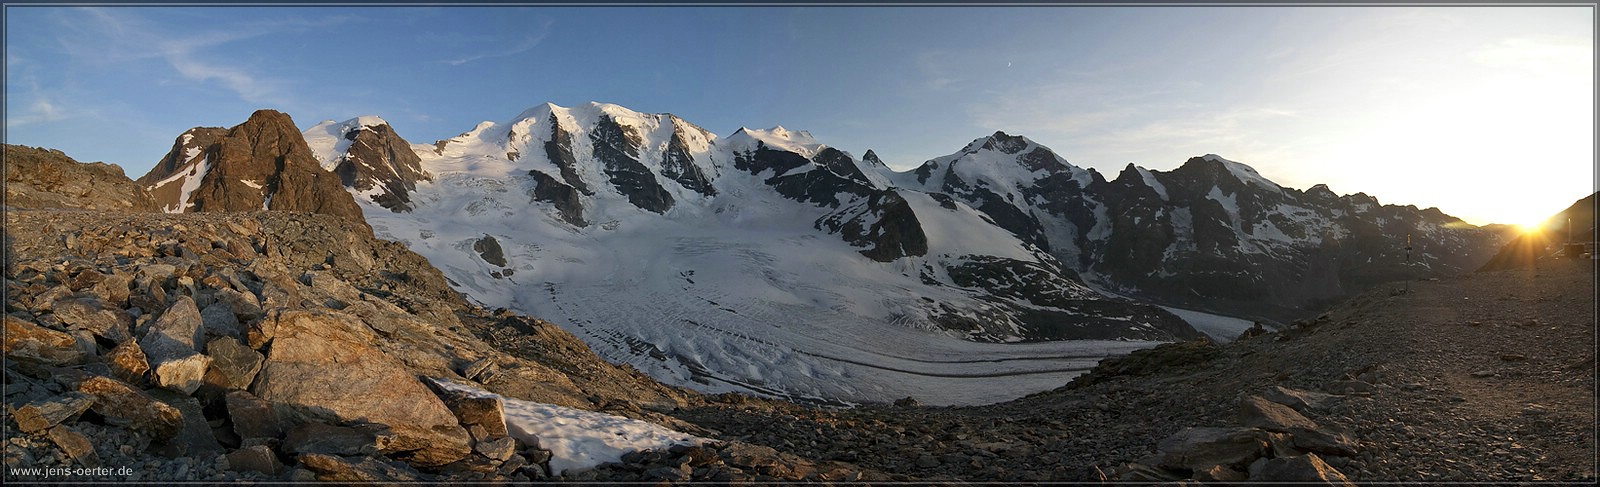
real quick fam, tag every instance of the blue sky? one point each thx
(1485, 112)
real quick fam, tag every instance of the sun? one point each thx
(1530, 227)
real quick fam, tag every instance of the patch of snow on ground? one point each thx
(578, 439)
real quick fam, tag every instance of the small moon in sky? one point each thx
(1008, 65)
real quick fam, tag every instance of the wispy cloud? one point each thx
(122, 37)
(528, 43)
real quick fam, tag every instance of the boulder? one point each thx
(1325, 442)
(258, 458)
(97, 316)
(1301, 401)
(220, 321)
(194, 438)
(128, 363)
(321, 368)
(125, 406)
(253, 418)
(171, 344)
(30, 342)
(41, 414)
(334, 468)
(1201, 448)
(485, 412)
(1255, 411)
(1305, 469)
(233, 365)
(334, 440)
(499, 449)
(75, 445)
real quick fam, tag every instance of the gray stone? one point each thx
(258, 458)
(171, 344)
(194, 438)
(91, 313)
(233, 365)
(219, 321)
(252, 417)
(43, 413)
(75, 445)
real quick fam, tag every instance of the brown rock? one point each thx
(252, 417)
(97, 316)
(219, 321)
(333, 468)
(266, 151)
(1308, 468)
(1325, 442)
(47, 178)
(379, 157)
(75, 445)
(258, 458)
(131, 408)
(1220, 474)
(1301, 401)
(233, 365)
(114, 289)
(171, 344)
(485, 412)
(31, 342)
(1198, 448)
(1261, 413)
(335, 440)
(498, 449)
(44, 413)
(321, 368)
(128, 363)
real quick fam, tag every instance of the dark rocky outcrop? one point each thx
(47, 178)
(564, 197)
(489, 249)
(261, 164)
(616, 146)
(679, 165)
(380, 157)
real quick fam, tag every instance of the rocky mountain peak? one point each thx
(261, 164)
(1005, 143)
(370, 158)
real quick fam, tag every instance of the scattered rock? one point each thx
(252, 416)
(258, 458)
(331, 440)
(99, 317)
(1257, 412)
(75, 445)
(499, 449)
(1198, 448)
(31, 342)
(233, 365)
(1301, 401)
(44, 413)
(333, 468)
(128, 363)
(1308, 468)
(125, 406)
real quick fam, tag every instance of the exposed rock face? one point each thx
(47, 178)
(678, 164)
(380, 158)
(1211, 234)
(320, 369)
(261, 164)
(617, 148)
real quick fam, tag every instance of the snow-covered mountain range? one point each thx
(769, 261)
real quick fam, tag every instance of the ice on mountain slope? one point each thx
(328, 142)
(1245, 173)
(577, 439)
(736, 291)
(191, 181)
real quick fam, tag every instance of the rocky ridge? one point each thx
(48, 178)
(261, 164)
